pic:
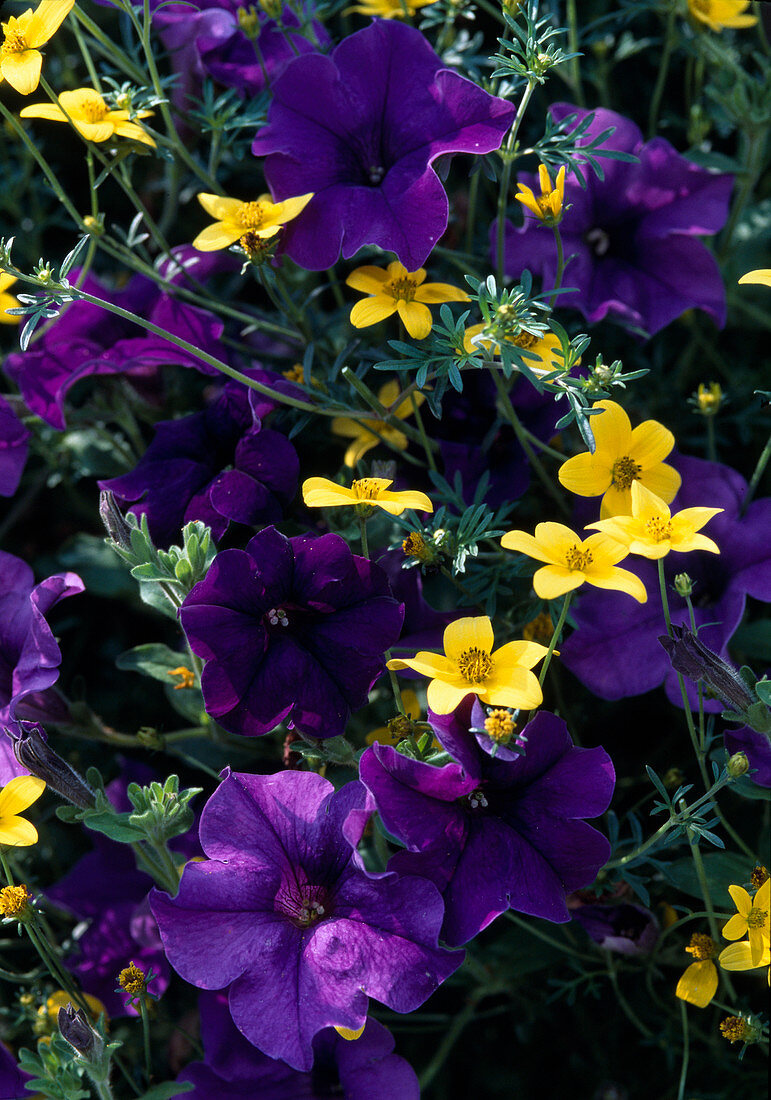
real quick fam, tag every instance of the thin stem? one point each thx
(146, 1036)
(560, 265)
(424, 438)
(363, 535)
(626, 1008)
(42, 164)
(451, 1037)
(686, 1052)
(508, 163)
(575, 64)
(658, 91)
(760, 469)
(555, 637)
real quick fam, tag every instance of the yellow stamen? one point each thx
(625, 471)
(539, 629)
(578, 560)
(659, 529)
(759, 876)
(187, 677)
(403, 290)
(475, 665)
(132, 980)
(251, 215)
(702, 947)
(734, 1029)
(14, 901)
(366, 488)
(500, 726)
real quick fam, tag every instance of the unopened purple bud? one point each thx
(693, 659)
(112, 518)
(76, 1029)
(35, 754)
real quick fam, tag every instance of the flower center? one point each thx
(625, 471)
(578, 560)
(303, 903)
(598, 240)
(132, 980)
(701, 947)
(659, 529)
(758, 876)
(277, 616)
(756, 918)
(477, 800)
(401, 289)
(475, 665)
(733, 1028)
(375, 174)
(14, 41)
(93, 108)
(366, 488)
(500, 726)
(539, 629)
(13, 900)
(524, 340)
(251, 215)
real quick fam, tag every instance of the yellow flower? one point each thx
(60, 999)
(389, 9)
(469, 666)
(20, 59)
(319, 492)
(698, 985)
(751, 920)
(547, 206)
(572, 561)
(366, 433)
(542, 357)
(397, 290)
(709, 398)
(653, 531)
(622, 456)
(762, 276)
(16, 796)
(7, 301)
(235, 219)
(91, 116)
(721, 13)
(15, 903)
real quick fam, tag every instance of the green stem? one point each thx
(117, 57)
(575, 64)
(363, 534)
(658, 91)
(753, 156)
(701, 875)
(423, 436)
(508, 163)
(451, 1037)
(560, 265)
(146, 1036)
(686, 1052)
(760, 469)
(396, 689)
(555, 637)
(524, 442)
(626, 1008)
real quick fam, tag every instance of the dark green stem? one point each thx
(555, 637)
(663, 67)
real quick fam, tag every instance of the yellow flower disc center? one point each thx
(475, 665)
(702, 947)
(524, 340)
(500, 726)
(758, 876)
(251, 215)
(366, 488)
(659, 529)
(756, 918)
(625, 471)
(132, 980)
(14, 42)
(93, 108)
(579, 560)
(734, 1029)
(401, 289)
(13, 900)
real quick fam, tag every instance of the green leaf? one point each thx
(166, 1089)
(723, 869)
(115, 826)
(153, 660)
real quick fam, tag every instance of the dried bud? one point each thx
(112, 518)
(693, 659)
(35, 754)
(77, 1031)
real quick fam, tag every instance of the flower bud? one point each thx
(77, 1031)
(693, 659)
(738, 765)
(117, 529)
(683, 585)
(35, 754)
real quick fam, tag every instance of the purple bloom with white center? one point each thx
(29, 654)
(362, 129)
(88, 340)
(290, 629)
(495, 834)
(616, 654)
(633, 235)
(218, 466)
(284, 910)
(363, 1069)
(13, 449)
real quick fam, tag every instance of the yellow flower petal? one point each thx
(761, 276)
(619, 580)
(20, 793)
(371, 311)
(522, 654)
(426, 663)
(440, 292)
(555, 580)
(217, 236)
(738, 956)
(50, 111)
(698, 984)
(134, 133)
(585, 475)
(416, 317)
(472, 632)
(605, 551)
(22, 70)
(46, 20)
(736, 926)
(557, 540)
(650, 444)
(443, 698)
(368, 279)
(612, 431)
(741, 900)
(348, 1034)
(320, 492)
(662, 480)
(221, 208)
(395, 503)
(288, 209)
(522, 543)
(17, 832)
(519, 690)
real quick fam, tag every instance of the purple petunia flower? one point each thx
(495, 834)
(12, 1080)
(284, 910)
(362, 128)
(290, 629)
(13, 449)
(216, 466)
(632, 235)
(617, 654)
(29, 654)
(623, 927)
(363, 1069)
(87, 340)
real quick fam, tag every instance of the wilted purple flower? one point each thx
(31, 749)
(284, 910)
(290, 629)
(691, 658)
(29, 654)
(87, 340)
(13, 449)
(622, 927)
(216, 466)
(633, 235)
(495, 834)
(361, 129)
(617, 654)
(364, 1069)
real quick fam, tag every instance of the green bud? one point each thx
(683, 585)
(738, 765)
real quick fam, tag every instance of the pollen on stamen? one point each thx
(577, 560)
(659, 529)
(278, 617)
(702, 947)
(366, 488)
(625, 471)
(251, 215)
(500, 726)
(401, 289)
(477, 800)
(475, 665)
